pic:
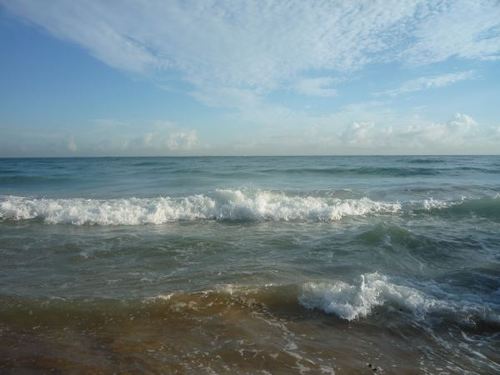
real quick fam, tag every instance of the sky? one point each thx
(210, 77)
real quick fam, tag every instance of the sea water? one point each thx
(251, 265)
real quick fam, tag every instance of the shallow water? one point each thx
(250, 265)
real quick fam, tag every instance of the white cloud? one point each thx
(182, 140)
(111, 137)
(428, 82)
(72, 145)
(364, 128)
(233, 54)
(228, 97)
(263, 45)
(387, 133)
(467, 29)
(458, 134)
(319, 86)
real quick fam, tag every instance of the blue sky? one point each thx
(93, 78)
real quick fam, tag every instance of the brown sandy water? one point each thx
(226, 332)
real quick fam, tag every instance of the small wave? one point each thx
(354, 301)
(27, 180)
(425, 160)
(399, 172)
(488, 208)
(362, 171)
(351, 302)
(232, 205)
(149, 163)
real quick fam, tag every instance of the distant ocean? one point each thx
(270, 265)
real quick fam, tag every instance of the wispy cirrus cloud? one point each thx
(429, 82)
(318, 86)
(284, 76)
(264, 45)
(466, 29)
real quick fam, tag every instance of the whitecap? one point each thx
(221, 205)
(354, 301)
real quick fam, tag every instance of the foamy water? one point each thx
(221, 205)
(356, 301)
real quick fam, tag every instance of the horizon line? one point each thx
(240, 156)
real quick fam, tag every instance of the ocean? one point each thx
(250, 265)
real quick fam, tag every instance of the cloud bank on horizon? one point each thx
(287, 76)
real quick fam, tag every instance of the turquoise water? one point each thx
(343, 264)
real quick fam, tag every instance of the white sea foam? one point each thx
(351, 302)
(431, 204)
(221, 205)
(438, 204)
(356, 301)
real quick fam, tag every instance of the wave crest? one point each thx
(485, 207)
(221, 205)
(351, 302)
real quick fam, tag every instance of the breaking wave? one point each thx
(235, 205)
(351, 302)
(354, 301)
